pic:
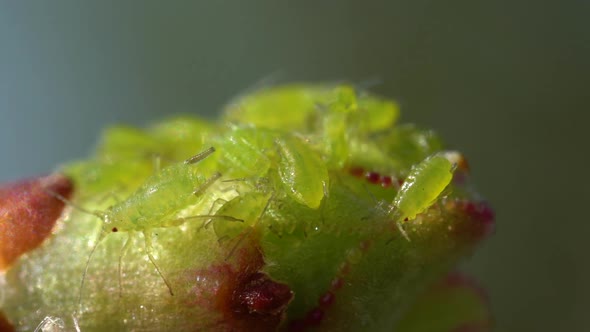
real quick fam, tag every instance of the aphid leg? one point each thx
(218, 203)
(395, 215)
(123, 252)
(149, 249)
(201, 189)
(101, 236)
(110, 195)
(180, 221)
(402, 230)
(200, 156)
(248, 232)
(50, 324)
(76, 325)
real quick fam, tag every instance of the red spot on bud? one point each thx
(357, 171)
(337, 283)
(386, 181)
(373, 177)
(247, 299)
(260, 295)
(479, 222)
(327, 299)
(28, 213)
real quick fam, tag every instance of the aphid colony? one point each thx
(271, 171)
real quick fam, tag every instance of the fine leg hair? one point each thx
(101, 236)
(149, 249)
(123, 252)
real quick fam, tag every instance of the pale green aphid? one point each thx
(154, 205)
(286, 107)
(422, 187)
(249, 207)
(303, 174)
(246, 152)
(292, 171)
(182, 136)
(126, 144)
(100, 178)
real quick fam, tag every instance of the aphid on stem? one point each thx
(153, 205)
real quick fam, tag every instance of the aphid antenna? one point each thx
(75, 206)
(244, 179)
(200, 156)
(101, 236)
(237, 181)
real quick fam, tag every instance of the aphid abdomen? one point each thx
(172, 192)
(245, 152)
(158, 198)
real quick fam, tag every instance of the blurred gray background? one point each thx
(506, 82)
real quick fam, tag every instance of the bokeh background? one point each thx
(506, 82)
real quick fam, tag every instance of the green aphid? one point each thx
(182, 136)
(245, 152)
(97, 178)
(303, 174)
(154, 205)
(348, 123)
(292, 106)
(128, 144)
(408, 145)
(375, 114)
(285, 107)
(422, 187)
(249, 206)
